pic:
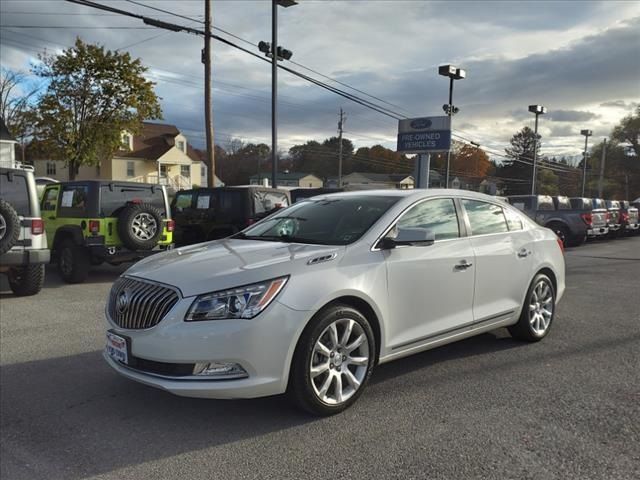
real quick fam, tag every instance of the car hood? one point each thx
(223, 264)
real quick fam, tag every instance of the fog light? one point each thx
(220, 369)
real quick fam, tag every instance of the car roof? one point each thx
(414, 193)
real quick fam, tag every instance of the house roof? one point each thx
(5, 135)
(382, 177)
(154, 141)
(283, 175)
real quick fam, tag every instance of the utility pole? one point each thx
(340, 128)
(274, 93)
(208, 108)
(626, 185)
(602, 160)
(587, 134)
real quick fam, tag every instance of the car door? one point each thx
(49, 212)
(503, 259)
(430, 287)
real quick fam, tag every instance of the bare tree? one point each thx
(16, 96)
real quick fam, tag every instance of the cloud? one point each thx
(571, 116)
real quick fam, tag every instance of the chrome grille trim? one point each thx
(148, 303)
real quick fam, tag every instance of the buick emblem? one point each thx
(420, 123)
(122, 302)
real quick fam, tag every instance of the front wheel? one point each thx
(537, 312)
(333, 361)
(73, 262)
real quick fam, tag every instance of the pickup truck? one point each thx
(629, 217)
(594, 213)
(614, 222)
(555, 213)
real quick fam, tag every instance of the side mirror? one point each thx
(418, 237)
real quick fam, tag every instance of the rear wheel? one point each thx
(73, 262)
(562, 232)
(333, 361)
(538, 311)
(27, 280)
(140, 226)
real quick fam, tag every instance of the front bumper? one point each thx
(25, 257)
(263, 346)
(597, 231)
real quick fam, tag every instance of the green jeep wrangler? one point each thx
(90, 222)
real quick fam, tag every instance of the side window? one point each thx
(73, 202)
(183, 200)
(545, 203)
(485, 217)
(514, 221)
(438, 215)
(50, 200)
(204, 201)
(131, 169)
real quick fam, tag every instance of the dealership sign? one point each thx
(424, 134)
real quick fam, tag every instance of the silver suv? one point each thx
(23, 243)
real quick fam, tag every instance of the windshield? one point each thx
(328, 221)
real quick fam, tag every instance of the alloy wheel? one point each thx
(339, 361)
(541, 308)
(144, 226)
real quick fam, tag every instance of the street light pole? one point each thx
(454, 73)
(587, 134)
(274, 93)
(538, 110)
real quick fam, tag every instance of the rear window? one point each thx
(545, 203)
(562, 203)
(266, 201)
(613, 204)
(580, 203)
(598, 203)
(522, 204)
(183, 200)
(16, 192)
(229, 204)
(116, 196)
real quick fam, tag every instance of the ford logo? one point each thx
(420, 123)
(122, 302)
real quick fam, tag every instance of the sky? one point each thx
(580, 59)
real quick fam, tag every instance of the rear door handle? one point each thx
(463, 265)
(523, 253)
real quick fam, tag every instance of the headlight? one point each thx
(241, 302)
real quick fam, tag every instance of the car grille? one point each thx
(136, 304)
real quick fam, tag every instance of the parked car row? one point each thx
(577, 219)
(76, 225)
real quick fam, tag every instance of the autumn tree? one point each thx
(92, 96)
(518, 166)
(470, 160)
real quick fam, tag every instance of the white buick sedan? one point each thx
(309, 300)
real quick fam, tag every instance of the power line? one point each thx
(165, 11)
(76, 27)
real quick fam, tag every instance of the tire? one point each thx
(576, 241)
(562, 232)
(9, 226)
(305, 391)
(73, 262)
(27, 280)
(534, 325)
(140, 226)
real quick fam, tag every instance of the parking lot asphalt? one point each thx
(487, 407)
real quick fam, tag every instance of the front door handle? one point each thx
(523, 253)
(463, 265)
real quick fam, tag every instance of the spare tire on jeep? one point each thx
(9, 226)
(140, 226)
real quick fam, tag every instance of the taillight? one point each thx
(94, 226)
(608, 217)
(561, 244)
(624, 217)
(171, 225)
(37, 226)
(587, 218)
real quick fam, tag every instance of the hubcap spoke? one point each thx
(541, 308)
(336, 375)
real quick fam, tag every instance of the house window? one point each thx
(181, 145)
(51, 168)
(126, 141)
(185, 170)
(131, 169)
